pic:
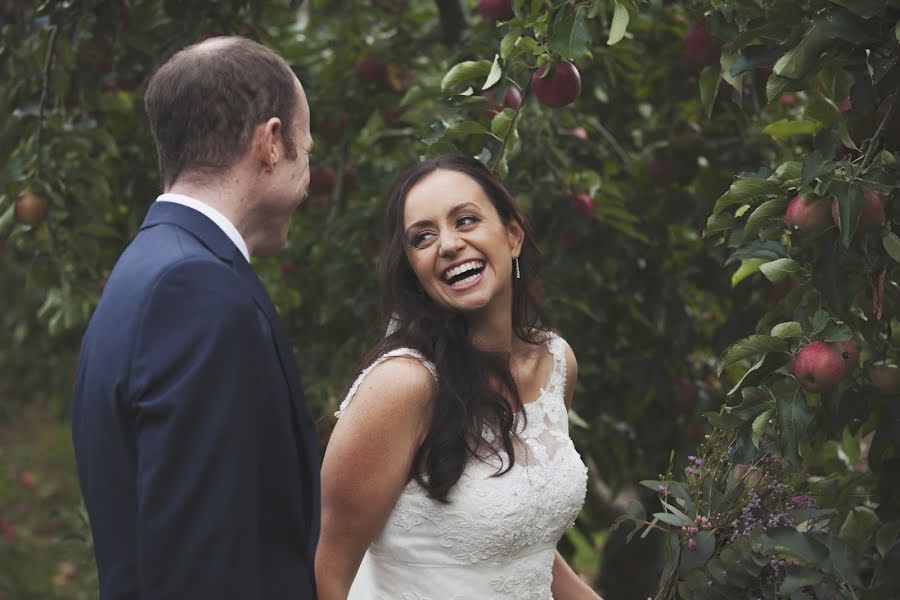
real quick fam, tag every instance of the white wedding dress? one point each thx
(496, 538)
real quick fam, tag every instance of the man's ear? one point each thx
(516, 236)
(268, 143)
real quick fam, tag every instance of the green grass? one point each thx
(45, 548)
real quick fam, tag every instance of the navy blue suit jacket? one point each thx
(196, 454)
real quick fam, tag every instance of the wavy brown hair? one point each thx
(467, 404)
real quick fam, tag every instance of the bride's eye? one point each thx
(466, 220)
(419, 238)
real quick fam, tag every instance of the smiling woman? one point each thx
(452, 450)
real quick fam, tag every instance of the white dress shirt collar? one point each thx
(215, 216)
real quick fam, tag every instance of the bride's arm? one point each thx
(567, 585)
(366, 466)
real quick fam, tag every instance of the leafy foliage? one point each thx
(679, 123)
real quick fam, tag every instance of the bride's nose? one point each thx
(450, 243)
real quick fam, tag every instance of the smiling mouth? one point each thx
(464, 273)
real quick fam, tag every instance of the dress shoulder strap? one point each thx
(409, 352)
(557, 347)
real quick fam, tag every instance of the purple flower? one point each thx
(663, 488)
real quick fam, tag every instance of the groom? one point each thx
(196, 454)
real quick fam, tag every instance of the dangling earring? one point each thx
(516, 263)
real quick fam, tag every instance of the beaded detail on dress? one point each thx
(496, 537)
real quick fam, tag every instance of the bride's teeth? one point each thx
(474, 264)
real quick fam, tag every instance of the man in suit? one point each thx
(196, 454)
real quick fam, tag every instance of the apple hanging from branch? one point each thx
(558, 87)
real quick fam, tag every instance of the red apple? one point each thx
(787, 99)
(849, 351)
(398, 77)
(885, 376)
(496, 10)
(818, 367)
(511, 99)
(393, 117)
(583, 203)
(778, 291)
(7, 531)
(700, 48)
(371, 71)
(659, 169)
(321, 180)
(686, 397)
(871, 218)
(808, 214)
(27, 480)
(31, 208)
(560, 87)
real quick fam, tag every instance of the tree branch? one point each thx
(453, 20)
(512, 126)
(45, 87)
(873, 142)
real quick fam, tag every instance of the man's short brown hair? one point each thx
(205, 102)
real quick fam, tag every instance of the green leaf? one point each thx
(829, 278)
(752, 346)
(759, 425)
(724, 422)
(820, 321)
(569, 34)
(887, 536)
(891, 244)
(835, 332)
(619, 24)
(720, 222)
(794, 417)
(696, 558)
(501, 122)
(787, 541)
(801, 59)
(709, 88)
(821, 109)
(767, 364)
(465, 71)
(508, 44)
(744, 190)
(495, 74)
(850, 201)
(797, 578)
(766, 249)
(748, 267)
(858, 527)
(839, 562)
(770, 209)
(815, 164)
(787, 171)
(775, 86)
(753, 402)
(789, 329)
(784, 129)
(670, 519)
(864, 8)
(781, 268)
(466, 128)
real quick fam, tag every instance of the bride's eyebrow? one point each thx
(453, 211)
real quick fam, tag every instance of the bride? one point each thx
(450, 473)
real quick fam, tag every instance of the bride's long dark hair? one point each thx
(467, 404)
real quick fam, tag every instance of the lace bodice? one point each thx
(496, 537)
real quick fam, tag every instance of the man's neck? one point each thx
(223, 196)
